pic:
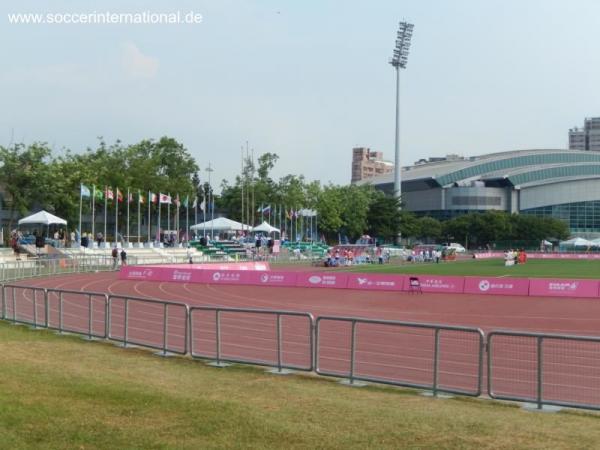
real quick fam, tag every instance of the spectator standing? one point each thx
(123, 257)
(115, 256)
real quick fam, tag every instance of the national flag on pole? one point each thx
(260, 208)
(130, 197)
(177, 202)
(141, 198)
(85, 191)
(267, 210)
(98, 193)
(119, 195)
(195, 204)
(202, 205)
(110, 195)
(153, 197)
(164, 198)
(186, 201)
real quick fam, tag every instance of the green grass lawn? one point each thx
(493, 267)
(59, 392)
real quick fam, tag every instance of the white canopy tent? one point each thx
(221, 224)
(578, 242)
(42, 217)
(265, 228)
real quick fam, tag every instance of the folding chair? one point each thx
(414, 285)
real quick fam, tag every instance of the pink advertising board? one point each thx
(546, 287)
(225, 276)
(184, 274)
(434, 283)
(378, 282)
(564, 256)
(272, 278)
(322, 279)
(496, 286)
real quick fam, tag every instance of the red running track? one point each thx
(382, 352)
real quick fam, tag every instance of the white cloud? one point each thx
(137, 65)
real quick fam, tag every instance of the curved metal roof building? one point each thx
(564, 184)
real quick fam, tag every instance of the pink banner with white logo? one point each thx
(272, 278)
(496, 286)
(322, 279)
(433, 283)
(225, 276)
(564, 256)
(375, 282)
(183, 274)
(563, 288)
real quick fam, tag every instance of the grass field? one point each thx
(494, 267)
(59, 392)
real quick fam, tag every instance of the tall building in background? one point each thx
(586, 138)
(368, 164)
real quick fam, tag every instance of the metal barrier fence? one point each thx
(433, 357)
(17, 270)
(148, 323)
(56, 309)
(545, 369)
(279, 339)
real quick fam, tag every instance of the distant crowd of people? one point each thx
(512, 257)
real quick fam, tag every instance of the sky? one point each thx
(308, 80)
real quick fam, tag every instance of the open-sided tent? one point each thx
(578, 242)
(221, 224)
(265, 228)
(42, 217)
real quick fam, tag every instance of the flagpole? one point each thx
(196, 208)
(93, 214)
(204, 214)
(116, 200)
(139, 218)
(128, 217)
(159, 208)
(149, 217)
(80, 205)
(242, 180)
(105, 210)
(187, 219)
(168, 213)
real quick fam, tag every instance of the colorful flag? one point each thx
(202, 205)
(119, 195)
(130, 197)
(164, 198)
(195, 204)
(267, 210)
(260, 208)
(288, 214)
(85, 191)
(177, 202)
(141, 198)
(98, 193)
(153, 197)
(186, 200)
(110, 195)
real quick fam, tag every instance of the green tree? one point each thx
(384, 217)
(428, 228)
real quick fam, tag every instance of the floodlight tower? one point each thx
(399, 61)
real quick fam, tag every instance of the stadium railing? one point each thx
(544, 369)
(46, 308)
(144, 322)
(541, 369)
(432, 357)
(278, 339)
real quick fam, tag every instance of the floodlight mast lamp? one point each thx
(398, 61)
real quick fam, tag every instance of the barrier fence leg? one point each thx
(34, 310)
(14, 301)
(350, 381)
(218, 362)
(90, 335)
(165, 345)
(279, 370)
(125, 326)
